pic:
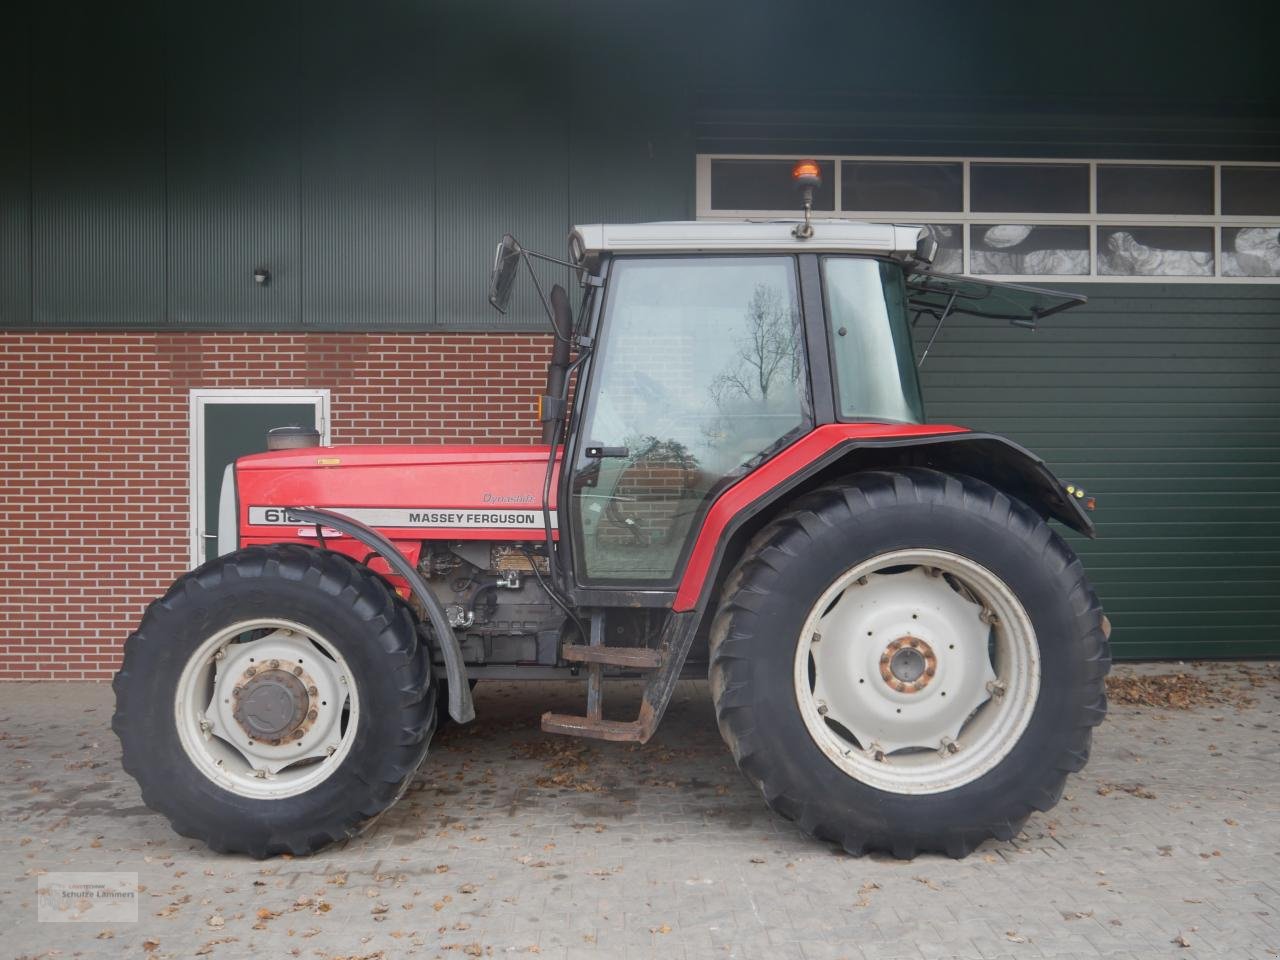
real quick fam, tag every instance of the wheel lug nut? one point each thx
(251, 671)
(275, 664)
(822, 709)
(312, 691)
(996, 688)
(312, 714)
(297, 671)
(297, 734)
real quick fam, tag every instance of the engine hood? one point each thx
(428, 492)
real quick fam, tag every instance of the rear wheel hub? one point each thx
(908, 664)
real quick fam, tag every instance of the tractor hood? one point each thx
(459, 492)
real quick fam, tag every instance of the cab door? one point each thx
(699, 373)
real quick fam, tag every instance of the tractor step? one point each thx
(640, 658)
(626, 731)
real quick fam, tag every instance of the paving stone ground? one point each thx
(514, 843)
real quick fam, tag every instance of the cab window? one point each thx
(874, 362)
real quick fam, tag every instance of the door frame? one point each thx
(198, 399)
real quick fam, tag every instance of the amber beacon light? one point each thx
(807, 176)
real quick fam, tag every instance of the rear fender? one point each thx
(835, 453)
(1009, 467)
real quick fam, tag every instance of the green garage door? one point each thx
(1163, 400)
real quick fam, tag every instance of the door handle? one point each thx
(594, 451)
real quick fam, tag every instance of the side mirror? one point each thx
(506, 261)
(926, 248)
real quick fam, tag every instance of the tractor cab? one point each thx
(704, 348)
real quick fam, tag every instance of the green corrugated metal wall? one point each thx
(370, 155)
(1164, 402)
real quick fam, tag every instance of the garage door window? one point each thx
(1037, 218)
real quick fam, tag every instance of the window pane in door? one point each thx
(886, 185)
(699, 373)
(1141, 188)
(1251, 191)
(1029, 187)
(1251, 251)
(765, 185)
(1155, 251)
(230, 431)
(1022, 249)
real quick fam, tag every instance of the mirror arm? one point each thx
(546, 304)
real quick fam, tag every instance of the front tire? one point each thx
(275, 700)
(909, 662)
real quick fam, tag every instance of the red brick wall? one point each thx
(94, 455)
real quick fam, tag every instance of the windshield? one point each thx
(871, 344)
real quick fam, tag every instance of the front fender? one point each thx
(461, 707)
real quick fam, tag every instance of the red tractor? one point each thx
(736, 480)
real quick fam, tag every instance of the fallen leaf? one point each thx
(1013, 937)
(664, 929)
(1181, 940)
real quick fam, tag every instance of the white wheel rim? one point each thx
(917, 671)
(297, 719)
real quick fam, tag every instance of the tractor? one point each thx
(735, 480)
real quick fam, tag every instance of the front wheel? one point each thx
(274, 700)
(909, 662)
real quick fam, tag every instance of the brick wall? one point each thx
(94, 455)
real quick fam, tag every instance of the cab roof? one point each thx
(720, 236)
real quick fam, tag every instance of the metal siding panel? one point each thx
(1164, 402)
(631, 158)
(15, 175)
(502, 160)
(233, 108)
(97, 165)
(368, 165)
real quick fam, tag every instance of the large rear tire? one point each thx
(275, 700)
(909, 662)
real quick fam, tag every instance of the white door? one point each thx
(226, 424)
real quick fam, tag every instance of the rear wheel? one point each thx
(908, 662)
(274, 700)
